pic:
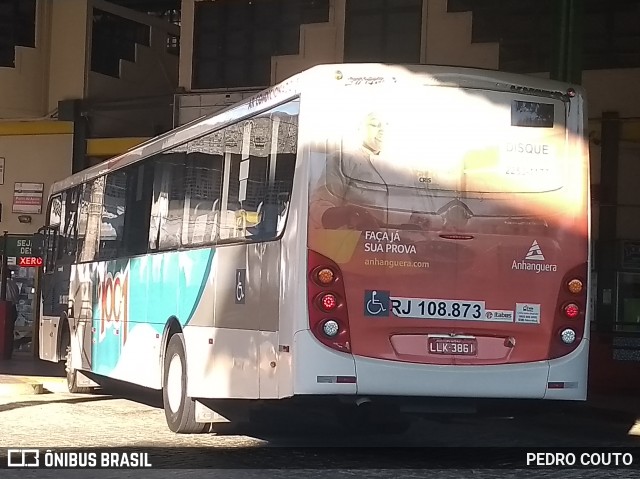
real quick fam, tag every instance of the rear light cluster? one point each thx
(570, 319)
(328, 317)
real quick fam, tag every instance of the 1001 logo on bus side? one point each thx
(113, 298)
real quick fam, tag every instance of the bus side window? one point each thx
(248, 178)
(50, 233)
(113, 212)
(203, 180)
(260, 156)
(282, 167)
(167, 204)
(138, 207)
(68, 233)
(89, 219)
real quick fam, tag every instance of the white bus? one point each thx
(358, 234)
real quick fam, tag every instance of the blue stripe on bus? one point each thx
(159, 286)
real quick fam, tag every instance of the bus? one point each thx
(357, 235)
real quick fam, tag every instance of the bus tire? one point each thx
(72, 377)
(179, 409)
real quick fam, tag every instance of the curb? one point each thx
(19, 387)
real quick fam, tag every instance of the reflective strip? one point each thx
(562, 385)
(336, 379)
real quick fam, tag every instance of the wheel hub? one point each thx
(174, 383)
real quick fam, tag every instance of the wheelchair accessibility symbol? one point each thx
(241, 275)
(376, 303)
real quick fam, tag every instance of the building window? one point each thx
(113, 39)
(611, 34)
(234, 40)
(17, 28)
(524, 31)
(383, 31)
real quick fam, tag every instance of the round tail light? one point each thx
(328, 302)
(325, 276)
(575, 286)
(568, 336)
(571, 310)
(330, 328)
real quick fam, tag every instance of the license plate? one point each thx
(438, 309)
(453, 346)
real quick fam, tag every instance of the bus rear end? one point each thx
(448, 239)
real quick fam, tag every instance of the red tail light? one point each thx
(570, 319)
(328, 317)
(328, 302)
(571, 310)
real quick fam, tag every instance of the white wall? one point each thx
(448, 39)
(34, 159)
(68, 47)
(55, 69)
(320, 43)
(23, 88)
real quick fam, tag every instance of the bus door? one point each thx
(59, 245)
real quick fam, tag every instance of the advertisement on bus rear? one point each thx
(459, 216)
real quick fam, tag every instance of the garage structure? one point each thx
(83, 80)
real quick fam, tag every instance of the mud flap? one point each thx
(207, 415)
(84, 381)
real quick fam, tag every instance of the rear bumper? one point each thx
(378, 377)
(524, 381)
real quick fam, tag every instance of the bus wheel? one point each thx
(179, 409)
(72, 377)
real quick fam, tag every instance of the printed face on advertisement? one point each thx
(374, 133)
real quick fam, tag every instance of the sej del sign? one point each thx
(23, 251)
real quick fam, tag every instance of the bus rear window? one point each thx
(454, 140)
(532, 114)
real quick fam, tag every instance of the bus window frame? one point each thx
(49, 235)
(153, 157)
(236, 240)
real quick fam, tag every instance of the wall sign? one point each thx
(27, 197)
(24, 250)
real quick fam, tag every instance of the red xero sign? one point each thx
(29, 261)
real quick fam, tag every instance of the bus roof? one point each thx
(367, 73)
